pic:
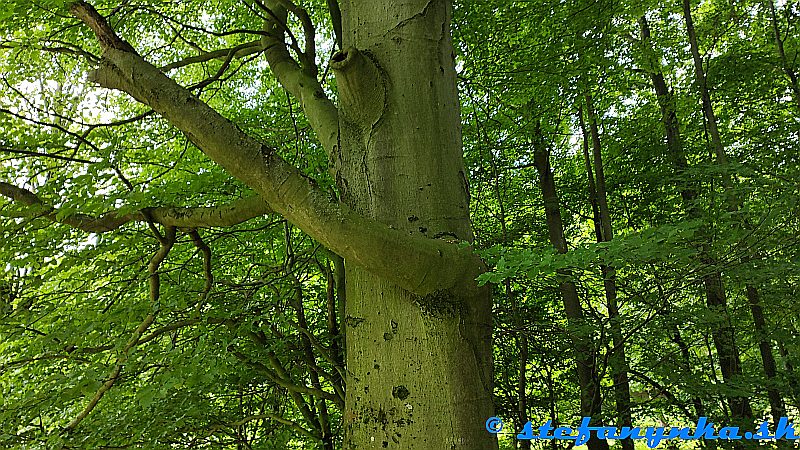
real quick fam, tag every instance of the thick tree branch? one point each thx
(302, 84)
(216, 216)
(310, 53)
(336, 20)
(418, 264)
(99, 25)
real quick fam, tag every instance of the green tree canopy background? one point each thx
(150, 299)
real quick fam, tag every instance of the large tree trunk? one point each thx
(585, 355)
(419, 368)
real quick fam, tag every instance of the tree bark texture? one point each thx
(419, 367)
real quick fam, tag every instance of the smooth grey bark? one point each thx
(419, 367)
(585, 354)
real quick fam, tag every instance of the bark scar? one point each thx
(422, 13)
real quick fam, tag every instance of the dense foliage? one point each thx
(239, 345)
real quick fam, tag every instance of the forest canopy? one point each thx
(305, 224)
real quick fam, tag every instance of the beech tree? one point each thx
(417, 326)
(333, 224)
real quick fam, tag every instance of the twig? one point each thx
(155, 292)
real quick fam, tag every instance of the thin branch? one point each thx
(64, 48)
(665, 392)
(206, 251)
(18, 151)
(155, 293)
(271, 416)
(277, 374)
(323, 351)
(221, 71)
(310, 52)
(239, 51)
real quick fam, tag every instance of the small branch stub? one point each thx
(362, 90)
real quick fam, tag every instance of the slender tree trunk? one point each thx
(520, 337)
(585, 355)
(334, 304)
(341, 302)
(723, 335)
(522, 387)
(787, 69)
(794, 382)
(686, 358)
(725, 344)
(729, 360)
(551, 402)
(320, 408)
(765, 347)
(708, 108)
(776, 401)
(669, 118)
(604, 233)
(419, 368)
